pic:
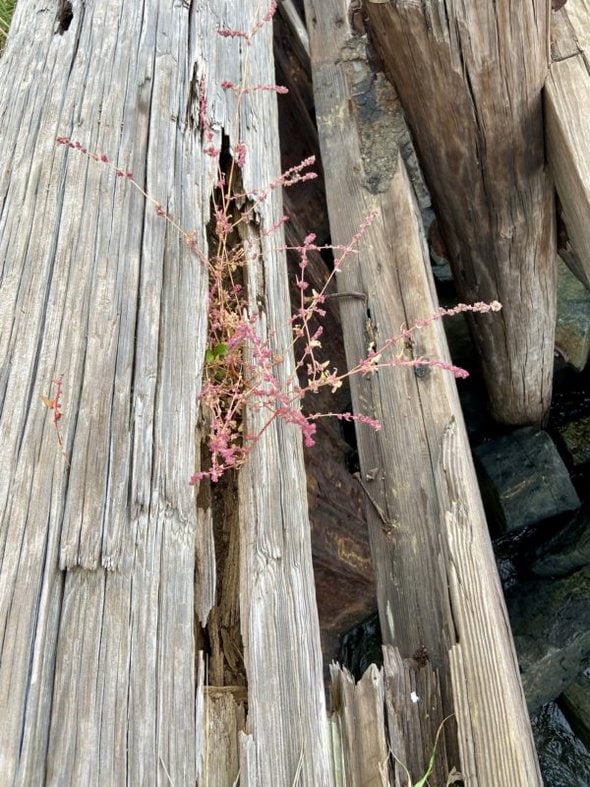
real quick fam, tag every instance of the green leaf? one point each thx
(218, 352)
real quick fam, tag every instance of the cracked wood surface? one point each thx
(97, 609)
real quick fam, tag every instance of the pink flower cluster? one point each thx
(247, 36)
(55, 405)
(242, 374)
(102, 157)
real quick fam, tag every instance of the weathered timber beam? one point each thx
(344, 580)
(97, 553)
(439, 596)
(469, 76)
(97, 548)
(299, 33)
(567, 127)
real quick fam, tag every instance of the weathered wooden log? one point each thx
(279, 622)
(469, 77)
(439, 595)
(567, 97)
(97, 549)
(96, 611)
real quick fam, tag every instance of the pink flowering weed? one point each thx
(241, 368)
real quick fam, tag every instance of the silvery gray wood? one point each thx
(97, 555)
(97, 610)
(437, 584)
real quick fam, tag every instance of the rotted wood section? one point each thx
(269, 639)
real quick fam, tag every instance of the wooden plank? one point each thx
(410, 686)
(493, 723)
(578, 14)
(469, 77)
(299, 32)
(340, 544)
(567, 129)
(227, 720)
(563, 36)
(358, 716)
(96, 610)
(436, 577)
(286, 731)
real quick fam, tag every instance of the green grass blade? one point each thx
(6, 12)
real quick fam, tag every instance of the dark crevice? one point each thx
(65, 14)
(226, 659)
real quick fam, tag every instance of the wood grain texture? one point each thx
(339, 539)
(567, 128)
(469, 77)
(96, 609)
(578, 14)
(358, 721)
(435, 572)
(279, 621)
(97, 675)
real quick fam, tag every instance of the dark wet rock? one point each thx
(575, 703)
(572, 331)
(551, 625)
(576, 438)
(567, 551)
(564, 760)
(523, 480)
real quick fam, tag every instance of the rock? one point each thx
(576, 437)
(575, 703)
(566, 551)
(362, 646)
(551, 626)
(572, 331)
(564, 760)
(523, 480)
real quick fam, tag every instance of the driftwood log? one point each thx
(469, 77)
(439, 596)
(97, 548)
